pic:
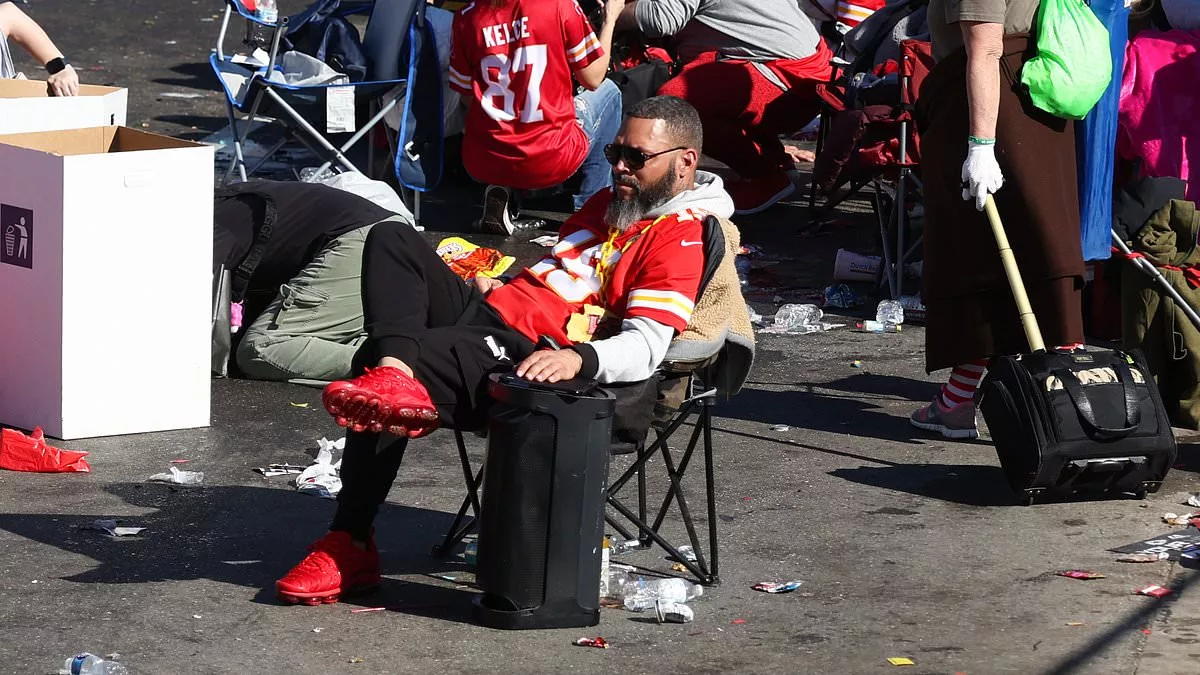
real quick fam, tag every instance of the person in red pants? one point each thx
(751, 68)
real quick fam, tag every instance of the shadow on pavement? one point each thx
(860, 410)
(970, 484)
(196, 75)
(1078, 661)
(246, 536)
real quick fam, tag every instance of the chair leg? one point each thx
(461, 527)
(710, 488)
(313, 135)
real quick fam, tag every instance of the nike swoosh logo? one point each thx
(685, 242)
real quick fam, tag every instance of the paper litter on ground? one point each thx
(321, 477)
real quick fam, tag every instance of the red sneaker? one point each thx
(334, 567)
(383, 398)
(760, 194)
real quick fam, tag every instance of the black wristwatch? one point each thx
(56, 65)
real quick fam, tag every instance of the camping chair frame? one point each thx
(704, 567)
(891, 186)
(279, 100)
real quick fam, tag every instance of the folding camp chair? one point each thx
(868, 137)
(675, 376)
(256, 90)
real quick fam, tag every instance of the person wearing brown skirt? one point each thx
(981, 135)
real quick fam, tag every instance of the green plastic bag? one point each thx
(1073, 65)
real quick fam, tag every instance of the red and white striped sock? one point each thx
(963, 382)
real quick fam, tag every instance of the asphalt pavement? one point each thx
(908, 545)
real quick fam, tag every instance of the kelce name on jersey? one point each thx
(494, 36)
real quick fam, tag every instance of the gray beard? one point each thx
(624, 213)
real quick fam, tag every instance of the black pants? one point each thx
(420, 312)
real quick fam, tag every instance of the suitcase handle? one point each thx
(1083, 404)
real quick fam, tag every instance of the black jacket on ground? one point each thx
(290, 223)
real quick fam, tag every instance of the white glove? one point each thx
(981, 175)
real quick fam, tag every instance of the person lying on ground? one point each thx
(61, 80)
(513, 62)
(295, 254)
(633, 252)
(751, 68)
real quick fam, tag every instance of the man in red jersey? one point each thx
(628, 262)
(513, 61)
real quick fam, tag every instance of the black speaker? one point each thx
(542, 515)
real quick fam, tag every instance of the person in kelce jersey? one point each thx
(513, 61)
(633, 254)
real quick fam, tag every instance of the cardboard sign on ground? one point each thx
(25, 107)
(105, 266)
(1172, 543)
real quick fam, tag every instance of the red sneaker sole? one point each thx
(327, 598)
(371, 413)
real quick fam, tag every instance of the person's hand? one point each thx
(981, 175)
(63, 83)
(486, 284)
(549, 365)
(612, 9)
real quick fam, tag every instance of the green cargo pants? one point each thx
(313, 327)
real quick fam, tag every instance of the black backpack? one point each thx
(323, 34)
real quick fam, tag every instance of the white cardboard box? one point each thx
(25, 107)
(105, 281)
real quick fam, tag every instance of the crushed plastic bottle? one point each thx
(639, 593)
(799, 319)
(877, 327)
(889, 311)
(841, 296)
(623, 546)
(267, 11)
(90, 664)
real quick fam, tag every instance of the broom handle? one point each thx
(1028, 321)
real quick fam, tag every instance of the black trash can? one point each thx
(542, 519)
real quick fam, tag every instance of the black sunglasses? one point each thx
(634, 158)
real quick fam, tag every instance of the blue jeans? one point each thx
(599, 112)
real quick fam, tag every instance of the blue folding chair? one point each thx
(303, 110)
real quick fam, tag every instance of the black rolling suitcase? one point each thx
(1090, 421)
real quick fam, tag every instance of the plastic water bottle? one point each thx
(267, 11)
(471, 553)
(889, 311)
(799, 318)
(90, 664)
(640, 593)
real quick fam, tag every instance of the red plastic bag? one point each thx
(19, 452)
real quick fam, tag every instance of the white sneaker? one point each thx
(497, 216)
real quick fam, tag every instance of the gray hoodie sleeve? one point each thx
(659, 18)
(629, 356)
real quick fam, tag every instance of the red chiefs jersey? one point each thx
(651, 270)
(513, 61)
